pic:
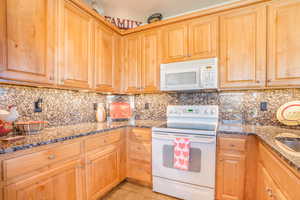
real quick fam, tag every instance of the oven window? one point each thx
(184, 78)
(195, 158)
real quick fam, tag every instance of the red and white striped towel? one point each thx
(181, 153)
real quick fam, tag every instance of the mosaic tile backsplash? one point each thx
(239, 106)
(65, 107)
(60, 107)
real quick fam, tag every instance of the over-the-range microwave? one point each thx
(189, 75)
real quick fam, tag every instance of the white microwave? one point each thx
(189, 75)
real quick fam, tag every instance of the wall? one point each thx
(240, 106)
(60, 107)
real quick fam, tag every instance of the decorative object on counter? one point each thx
(9, 116)
(100, 112)
(123, 23)
(289, 113)
(5, 128)
(30, 127)
(120, 111)
(154, 18)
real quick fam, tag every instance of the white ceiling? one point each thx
(139, 10)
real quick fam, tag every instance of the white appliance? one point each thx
(189, 75)
(199, 124)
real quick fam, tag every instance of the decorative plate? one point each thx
(289, 113)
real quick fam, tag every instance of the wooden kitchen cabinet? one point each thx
(175, 42)
(27, 33)
(194, 39)
(236, 167)
(63, 182)
(104, 58)
(132, 63)
(150, 46)
(243, 48)
(102, 171)
(139, 156)
(284, 43)
(203, 37)
(75, 51)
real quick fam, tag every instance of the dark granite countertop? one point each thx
(62, 133)
(57, 134)
(267, 134)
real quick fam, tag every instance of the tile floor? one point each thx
(129, 191)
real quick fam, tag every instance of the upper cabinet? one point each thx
(142, 62)
(203, 38)
(194, 39)
(28, 42)
(284, 43)
(175, 46)
(243, 48)
(104, 58)
(150, 42)
(132, 63)
(75, 51)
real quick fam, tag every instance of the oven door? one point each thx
(202, 159)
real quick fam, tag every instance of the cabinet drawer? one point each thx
(140, 134)
(101, 140)
(140, 151)
(27, 163)
(232, 144)
(288, 182)
(139, 171)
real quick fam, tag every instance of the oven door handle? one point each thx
(197, 138)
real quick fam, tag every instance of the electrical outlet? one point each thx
(147, 105)
(263, 106)
(38, 106)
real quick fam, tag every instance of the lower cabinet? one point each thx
(63, 183)
(231, 176)
(102, 171)
(139, 164)
(236, 167)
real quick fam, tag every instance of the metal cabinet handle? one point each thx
(269, 192)
(51, 157)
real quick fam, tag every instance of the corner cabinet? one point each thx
(63, 182)
(27, 52)
(284, 43)
(75, 50)
(243, 48)
(104, 58)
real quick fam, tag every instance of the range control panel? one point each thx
(211, 111)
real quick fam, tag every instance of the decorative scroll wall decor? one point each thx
(123, 23)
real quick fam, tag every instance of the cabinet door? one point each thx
(175, 42)
(3, 41)
(75, 52)
(203, 38)
(284, 43)
(102, 171)
(63, 183)
(133, 63)
(243, 48)
(30, 41)
(104, 58)
(230, 176)
(150, 61)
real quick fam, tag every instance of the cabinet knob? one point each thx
(51, 157)
(269, 192)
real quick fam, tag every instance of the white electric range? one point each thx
(199, 124)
